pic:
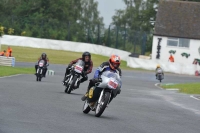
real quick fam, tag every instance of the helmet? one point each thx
(158, 66)
(44, 55)
(86, 54)
(114, 61)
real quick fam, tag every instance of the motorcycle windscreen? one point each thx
(41, 63)
(79, 67)
(159, 71)
(115, 80)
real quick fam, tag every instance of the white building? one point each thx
(178, 25)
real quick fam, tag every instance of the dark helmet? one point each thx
(86, 54)
(44, 55)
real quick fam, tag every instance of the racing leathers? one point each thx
(46, 60)
(105, 66)
(87, 69)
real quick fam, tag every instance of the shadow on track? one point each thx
(70, 93)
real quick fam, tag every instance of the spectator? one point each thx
(3, 53)
(171, 58)
(9, 52)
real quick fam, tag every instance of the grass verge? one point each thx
(7, 71)
(26, 54)
(188, 88)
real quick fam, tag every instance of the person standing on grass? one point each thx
(9, 52)
(2, 53)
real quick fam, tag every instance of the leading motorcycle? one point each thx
(73, 79)
(102, 93)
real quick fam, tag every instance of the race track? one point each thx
(27, 106)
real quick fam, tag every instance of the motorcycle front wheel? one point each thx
(103, 104)
(72, 84)
(86, 108)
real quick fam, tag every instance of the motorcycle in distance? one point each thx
(160, 75)
(73, 79)
(40, 69)
(101, 94)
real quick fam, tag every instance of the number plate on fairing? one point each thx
(41, 64)
(78, 69)
(112, 84)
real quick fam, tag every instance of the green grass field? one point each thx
(189, 88)
(26, 54)
(7, 71)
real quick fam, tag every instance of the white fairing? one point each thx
(79, 66)
(41, 63)
(159, 71)
(110, 80)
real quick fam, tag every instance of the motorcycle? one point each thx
(102, 93)
(73, 79)
(40, 69)
(160, 75)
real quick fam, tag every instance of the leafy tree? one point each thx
(56, 19)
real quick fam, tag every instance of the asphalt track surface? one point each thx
(27, 106)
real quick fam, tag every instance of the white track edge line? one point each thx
(158, 86)
(10, 76)
(194, 97)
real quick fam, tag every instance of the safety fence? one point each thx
(7, 61)
(144, 62)
(113, 36)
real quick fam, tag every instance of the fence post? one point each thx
(144, 43)
(88, 32)
(68, 27)
(134, 43)
(125, 39)
(108, 36)
(98, 34)
(116, 45)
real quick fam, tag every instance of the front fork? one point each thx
(101, 95)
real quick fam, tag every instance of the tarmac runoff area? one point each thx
(27, 106)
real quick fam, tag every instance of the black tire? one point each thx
(87, 109)
(66, 88)
(72, 84)
(160, 80)
(40, 79)
(37, 78)
(106, 100)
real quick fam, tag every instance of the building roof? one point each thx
(178, 19)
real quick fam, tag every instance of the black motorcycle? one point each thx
(40, 70)
(73, 79)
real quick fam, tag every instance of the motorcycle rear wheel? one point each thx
(100, 108)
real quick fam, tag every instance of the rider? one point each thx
(111, 65)
(43, 57)
(158, 68)
(86, 57)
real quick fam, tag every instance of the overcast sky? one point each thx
(107, 9)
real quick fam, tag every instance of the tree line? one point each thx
(79, 20)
